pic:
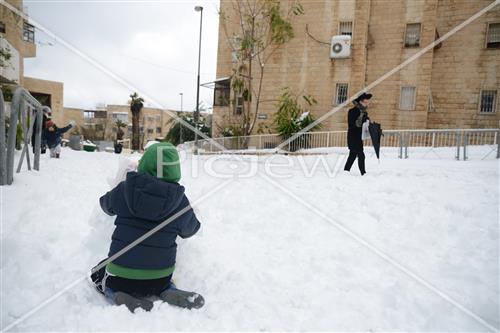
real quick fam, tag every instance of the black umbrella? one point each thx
(376, 135)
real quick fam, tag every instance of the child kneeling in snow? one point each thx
(52, 137)
(142, 201)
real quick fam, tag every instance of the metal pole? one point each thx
(3, 148)
(400, 145)
(197, 113)
(11, 140)
(498, 143)
(38, 137)
(458, 145)
(465, 138)
(406, 145)
(26, 136)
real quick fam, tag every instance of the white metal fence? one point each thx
(401, 141)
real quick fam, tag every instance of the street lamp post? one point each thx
(197, 113)
(181, 139)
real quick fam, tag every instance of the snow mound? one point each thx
(262, 260)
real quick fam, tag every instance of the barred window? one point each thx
(488, 101)
(493, 36)
(28, 32)
(412, 35)
(407, 98)
(345, 28)
(341, 93)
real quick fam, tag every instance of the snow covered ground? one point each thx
(263, 260)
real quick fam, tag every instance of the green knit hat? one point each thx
(169, 160)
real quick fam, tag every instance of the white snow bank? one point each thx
(262, 260)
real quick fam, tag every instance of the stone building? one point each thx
(454, 85)
(100, 123)
(17, 42)
(17, 39)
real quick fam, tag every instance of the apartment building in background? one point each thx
(456, 84)
(18, 42)
(100, 123)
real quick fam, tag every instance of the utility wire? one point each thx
(314, 38)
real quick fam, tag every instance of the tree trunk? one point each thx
(135, 130)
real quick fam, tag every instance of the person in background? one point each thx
(52, 137)
(355, 119)
(46, 117)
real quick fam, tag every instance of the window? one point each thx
(44, 99)
(88, 114)
(28, 32)
(150, 131)
(493, 36)
(158, 130)
(222, 92)
(2, 27)
(430, 103)
(238, 108)
(412, 35)
(341, 93)
(407, 98)
(234, 56)
(121, 116)
(488, 101)
(345, 28)
(100, 114)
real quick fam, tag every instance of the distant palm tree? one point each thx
(136, 104)
(119, 132)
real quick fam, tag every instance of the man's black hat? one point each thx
(363, 96)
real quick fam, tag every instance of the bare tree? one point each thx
(262, 27)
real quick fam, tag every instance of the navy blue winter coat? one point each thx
(140, 203)
(52, 139)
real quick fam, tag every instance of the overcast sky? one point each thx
(153, 45)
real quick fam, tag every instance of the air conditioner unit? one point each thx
(340, 47)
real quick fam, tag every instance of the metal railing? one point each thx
(402, 141)
(27, 111)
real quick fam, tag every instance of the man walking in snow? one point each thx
(355, 119)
